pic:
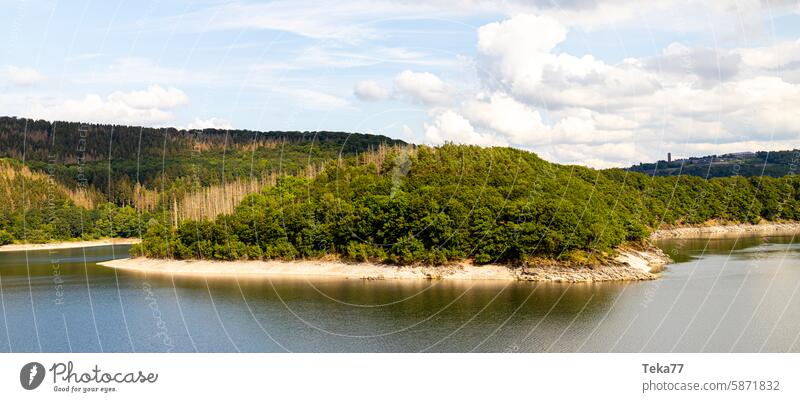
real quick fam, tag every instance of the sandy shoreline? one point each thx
(67, 244)
(630, 265)
(726, 230)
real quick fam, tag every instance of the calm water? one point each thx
(721, 295)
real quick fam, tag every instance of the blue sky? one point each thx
(598, 83)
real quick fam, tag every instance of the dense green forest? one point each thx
(112, 158)
(34, 208)
(434, 205)
(774, 164)
(260, 195)
(121, 171)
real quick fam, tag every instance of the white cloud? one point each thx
(780, 59)
(514, 120)
(354, 21)
(349, 21)
(213, 122)
(709, 66)
(449, 126)
(335, 55)
(83, 56)
(313, 20)
(579, 109)
(517, 56)
(370, 91)
(522, 125)
(595, 155)
(151, 106)
(408, 132)
(23, 76)
(154, 97)
(532, 90)
(518, 48)
(316, 100)
(143, 71)
(780, 55)
(422, 88)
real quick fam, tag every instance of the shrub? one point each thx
(5, 237)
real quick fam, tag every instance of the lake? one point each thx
(721, 295)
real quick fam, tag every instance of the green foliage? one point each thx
(111, 161)
(113, 221)
(112, 158)
(427, 205)
(33, 208)
(5, 238)
(455, 202)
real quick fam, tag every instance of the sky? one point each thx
(589, 82)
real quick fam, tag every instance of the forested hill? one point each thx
(68, 141)
(439, 204)
(35, 208)
(67, 180)
(260, 195)
(112, 158)
(748, 164)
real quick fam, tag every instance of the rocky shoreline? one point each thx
(726, 230)
(630, 264)
(68, 244)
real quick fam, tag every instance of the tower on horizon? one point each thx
(669, 156)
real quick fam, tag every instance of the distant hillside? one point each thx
(66, 180)
(113, 158)
(33, 207)
(244, 194)
(748, 164)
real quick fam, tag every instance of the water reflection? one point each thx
(683, 250)
(734, 294)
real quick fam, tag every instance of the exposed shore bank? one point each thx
(688, 232)
(68, 244)
(630, 264)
